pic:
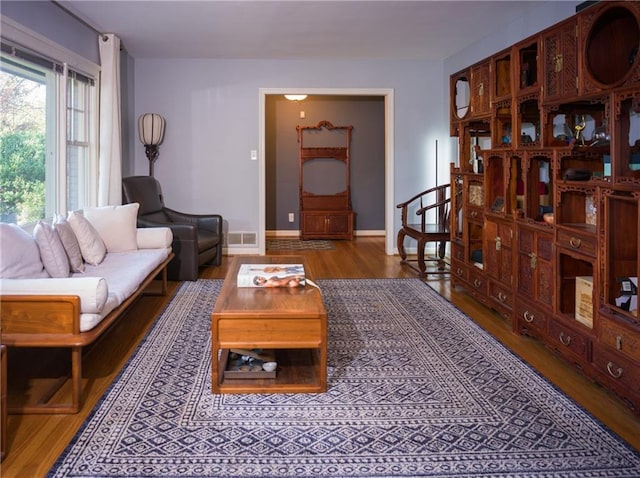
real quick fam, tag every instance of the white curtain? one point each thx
(110, 145)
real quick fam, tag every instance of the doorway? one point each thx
(387, 94)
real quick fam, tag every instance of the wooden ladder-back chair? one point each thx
(431, 224)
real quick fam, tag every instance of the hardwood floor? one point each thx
(35, 441)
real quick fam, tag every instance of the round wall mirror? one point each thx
(462, 97)
(612, 46)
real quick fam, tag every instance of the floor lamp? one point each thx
(151, 132)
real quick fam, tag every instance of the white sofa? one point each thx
(66, 283)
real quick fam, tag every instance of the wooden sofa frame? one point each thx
(54, 321)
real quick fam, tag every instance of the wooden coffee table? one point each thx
(290, 321)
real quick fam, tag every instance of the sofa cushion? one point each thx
(19, 254)
(116, 225)
(154, 238)
(125, 271)
(70, 244)
(91, 244)
(92, 291)
(52, 251)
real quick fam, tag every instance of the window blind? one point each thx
(16, 51)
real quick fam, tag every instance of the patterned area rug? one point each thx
(415, 389)
(298, 245)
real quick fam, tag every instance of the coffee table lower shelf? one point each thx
(299, 371)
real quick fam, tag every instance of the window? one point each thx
(25, 91)
(48, 118)
(79, 140)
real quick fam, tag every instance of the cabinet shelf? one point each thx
(527, 67)
(576, 300)
(621, 244)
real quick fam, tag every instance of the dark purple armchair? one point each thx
(197, 238)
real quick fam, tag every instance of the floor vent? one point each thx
(241, 238)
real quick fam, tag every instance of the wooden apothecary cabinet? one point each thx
(554, 242)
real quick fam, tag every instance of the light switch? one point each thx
(254, 155)
(302, 115)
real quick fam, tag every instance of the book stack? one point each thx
(271, 275)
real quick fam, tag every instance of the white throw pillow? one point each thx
(117, 225)
(52, 251)
(70, 244)
(91, 244)
(19, 254)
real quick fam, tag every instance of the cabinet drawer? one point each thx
(568, 341)
(616, 368)
(530, 319)
(624, 340)
(478, 286)
(577, 242)
(460, 270)
(457, 251)
(501, 294)
(477, 281)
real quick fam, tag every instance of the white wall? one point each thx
(211, 107)
(541, 16)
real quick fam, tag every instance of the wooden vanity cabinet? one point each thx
(325, 215)
(550, 226)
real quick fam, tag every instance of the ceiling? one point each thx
(247, 29)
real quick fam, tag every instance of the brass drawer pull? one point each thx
(474, 214)
(558, 63)
(502, 296)
(575, 242)
(460, 272)
(528, 317)
(477, 283)
(565, 339)
(617, 374)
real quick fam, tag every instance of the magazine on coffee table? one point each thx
(271, 275)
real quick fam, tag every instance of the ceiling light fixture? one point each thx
(295, 97)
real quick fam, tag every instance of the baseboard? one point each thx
(240, 251)
(288, 233)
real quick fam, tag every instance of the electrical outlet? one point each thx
(291, 217)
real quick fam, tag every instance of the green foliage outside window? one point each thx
(22, 176)
(22, 149)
